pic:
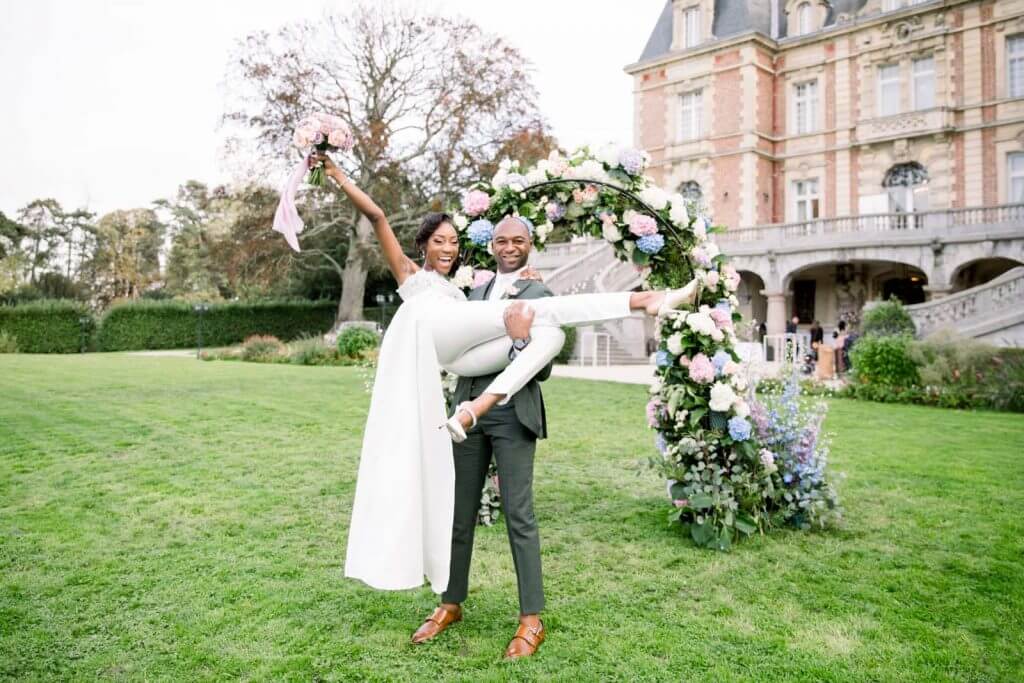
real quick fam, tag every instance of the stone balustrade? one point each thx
(980, 311)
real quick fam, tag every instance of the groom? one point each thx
(509, 433)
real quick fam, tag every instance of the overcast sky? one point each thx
(113, 103)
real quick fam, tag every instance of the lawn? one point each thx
(162, 518)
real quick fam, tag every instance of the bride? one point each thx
(402, 513)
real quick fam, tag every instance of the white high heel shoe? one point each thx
(675, 298)
(455, 429)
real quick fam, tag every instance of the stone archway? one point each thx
(979, 271)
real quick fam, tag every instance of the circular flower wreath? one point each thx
(722, 482)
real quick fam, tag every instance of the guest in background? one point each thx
(840, 347)
(791, 325)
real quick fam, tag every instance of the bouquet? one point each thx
(323, 133)
(316, 132)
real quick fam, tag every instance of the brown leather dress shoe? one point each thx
(526, 641)
(441, 619)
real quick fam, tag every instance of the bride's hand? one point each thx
(330, 168)
(531, 273)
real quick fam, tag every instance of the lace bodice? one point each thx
(429, 281)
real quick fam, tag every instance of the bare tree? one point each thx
(430, 99)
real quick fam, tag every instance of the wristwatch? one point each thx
(517, 347)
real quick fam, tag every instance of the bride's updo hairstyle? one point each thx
(428, 227)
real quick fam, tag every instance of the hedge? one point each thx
(48, 326)
(172, 324)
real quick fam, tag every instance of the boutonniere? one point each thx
(512, 291)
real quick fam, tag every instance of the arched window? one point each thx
(804, 18)
(907, 185)
(691, 191)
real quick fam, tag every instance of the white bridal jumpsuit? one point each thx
(401, 523)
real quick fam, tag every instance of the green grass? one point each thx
(162, 518)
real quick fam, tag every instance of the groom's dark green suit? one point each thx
(509, 433)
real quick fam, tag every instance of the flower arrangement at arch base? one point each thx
(735, 465)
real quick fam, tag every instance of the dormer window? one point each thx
(691, 26)
(804, 18)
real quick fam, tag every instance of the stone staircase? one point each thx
(992, 312)
(591, 266)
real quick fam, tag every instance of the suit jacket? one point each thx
(528, 401)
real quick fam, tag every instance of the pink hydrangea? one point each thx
(653, 412)
(482, 277)
(641, 225)
(476, 202)
(702, 370)
(712, 278)
(721, 318)
(732, 278)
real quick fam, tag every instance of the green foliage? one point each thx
(353, 342)
(263, 349)
(570, 343)
(948, 371)
(8, 344)
(173, 324)
(887, 318)
(884, 361)
(312, 351)
(47, 326)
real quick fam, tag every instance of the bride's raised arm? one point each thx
(401, 265)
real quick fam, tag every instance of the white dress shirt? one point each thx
(502, 282)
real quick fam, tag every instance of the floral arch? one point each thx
(727, 475)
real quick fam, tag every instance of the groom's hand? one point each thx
(518, 320)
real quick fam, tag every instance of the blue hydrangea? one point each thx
(480, 231)
(739, 429)
(650, 244)
(719, 360)
(632, 161)
(663, 358)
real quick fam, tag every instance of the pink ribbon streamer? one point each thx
(286, 218)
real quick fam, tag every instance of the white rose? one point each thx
(629, 246)
(655, 386)
(733, 301)
(536, 176)
(609, 154)
(722, 397)
(741, 408)
(460, 221)
(516, 187)
(654, 197)
(717, 335)
(611, 231)
(543, 230)
(702, 323)
(678, 213)
(739, 381)
(591, 170)
(712, 249)
(543, 165)
(675, 344)
(499, 179)
(463, 277)
(505, 164)
(700, 228)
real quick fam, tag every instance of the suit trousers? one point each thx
(502, 436)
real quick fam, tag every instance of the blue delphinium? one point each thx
(480, 231)
(650, 244)
(660, 443)
(663, 358)
(739, 429)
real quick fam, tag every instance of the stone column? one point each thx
(776, 315)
